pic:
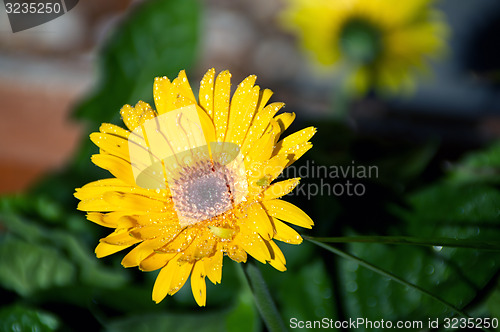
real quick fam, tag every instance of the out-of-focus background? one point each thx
(46, 70)
(436, 150)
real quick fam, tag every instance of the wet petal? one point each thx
(206, 94)
(259, 125)
(213, 267)
(105, 249)
(285, 233)
(155, 261)
(198, 285)
(120, 168)
(294, 141)
(278, 259)
(280, 189)
(135, 116)
(163, 281)
(221, 104)
(288, 212)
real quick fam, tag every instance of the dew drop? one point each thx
(352, 286)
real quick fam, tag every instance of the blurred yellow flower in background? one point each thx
(193, 181)
(373, 43)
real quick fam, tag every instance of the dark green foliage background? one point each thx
(50, 279)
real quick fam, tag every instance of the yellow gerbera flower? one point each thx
(193, 182)
(378, 42)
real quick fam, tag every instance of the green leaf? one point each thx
(244, 316)
(159, 38)
(64, 244)
(494, 303)
(413, 241)
(306, 294)
(18, 318)
(480, 166)
(465, 213)
(181, 322)
(387, 274)
(28, 267)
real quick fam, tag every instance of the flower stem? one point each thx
(263, 299)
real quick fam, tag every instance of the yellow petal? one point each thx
(261, 176)
(98, 218)
(122, 219)
(221, 104)
(285, 233)
(132, 202)
(105, 249)
(115, 219)
(163, 281)
(155, 261)
(165, 232)
(140, 252)
(95, 204)
(242, 109)
(259, 124)
(252, 243)
(164, 95)
(116, 166)
(179, 243)
(168, 218)
(292, 142)
(298, 152)
(206, 94)
(258, 219)
(108, 128)
(95, 191)
(135, 116)
(264, 146)
(280, 189)
(207, 126)
(213, 267)
(182, 84)
(120, 238)
(238, 131)
(275, 166)
(198, 285)
(264, 97)
(277, 258)
(287, 212)
(285, 120)
(180, 277)
(111, 144)
(202, 246)
(236, 253)
(111, 182)
(125, 220)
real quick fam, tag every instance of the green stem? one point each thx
(406, 240)
(389, 275)
(263, 299)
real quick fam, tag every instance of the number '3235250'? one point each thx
(33, 8)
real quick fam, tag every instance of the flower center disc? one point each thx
(202, 192)
(360, 41)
